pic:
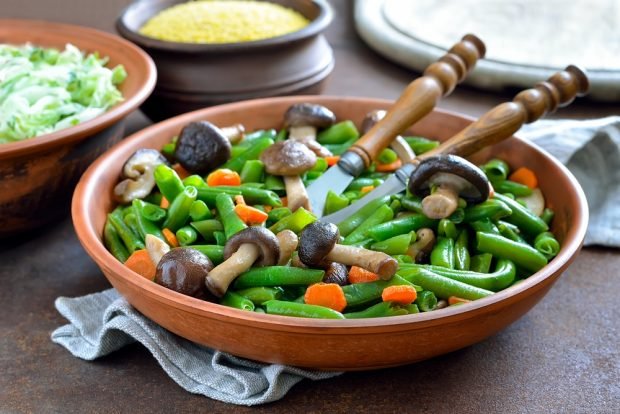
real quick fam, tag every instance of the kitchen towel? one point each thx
(103, 322)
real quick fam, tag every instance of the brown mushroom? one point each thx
(288, 241)
(422, 247)
(138, 174)
(202, 147)
(183, 270)
(336, 273)
(303, 120)
(290, 159)
(317, 247)
(253, 246)
(453, 177)
(399, 145)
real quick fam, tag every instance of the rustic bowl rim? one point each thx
(111, 116)
(94, 246)
(315, 27)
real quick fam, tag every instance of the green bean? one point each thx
(251, 195)
(199, 211)
(496, 171)
(426, 301)
(294, 222)
(509, 231)
(547, 215)
(502, 277)
(522, 254)
(335, 202)
(522, 217)
(235, 300)
(252, 171)
(493, 209)
(381, 215)
(481, 263)
(547, 244)
(420, 145)
(230, 220)
(274, 183)
(152, 212)
(186, 235)
(155, 198)
(213, 252)
(462, 260)
(396, 206)
(442, 286)
(339, 149)
(484, 224)
(412, 203)
(458, 216)
(320, 165)
(447, 228)
(352, 195)
(252, 153)
(195, 181)
(301, 310)
(277, 276)
(387, 156)
(400, 225)
(278, 213)
(443, 253)
(261, 294)
(512, 187)
(178, 212)
(168, 182)
(359, 183)
(168, 150)
(338, 133)
(359, 294)
(380, 310)
(144, 225)
(259, 134)
(282, 134)
(129, 238)
(114, 243)
(394, 245)
(348, 225)
(403, 258)
(220, 238)
(206, 228)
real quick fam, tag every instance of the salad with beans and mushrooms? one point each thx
(222, 214)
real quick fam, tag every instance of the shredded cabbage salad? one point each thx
(44, 90)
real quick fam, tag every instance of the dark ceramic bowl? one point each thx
(37, 175)
(331, 344)
(192, 76)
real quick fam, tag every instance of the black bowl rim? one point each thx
(315, 27)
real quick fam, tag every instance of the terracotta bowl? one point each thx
(37, 176)
(342, 344)
(192, 76)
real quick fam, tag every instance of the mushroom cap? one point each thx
(288, 158)
(336, 273)
(266, 241)
(316, 241)
(447, 169)
(202, 147)
(307, 114)
(183, 270)
(138, 175)
(140, 160)
(371, 119)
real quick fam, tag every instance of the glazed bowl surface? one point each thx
(329, 344)
(38, 175)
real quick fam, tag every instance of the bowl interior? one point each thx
(137, 86)
(92, 201)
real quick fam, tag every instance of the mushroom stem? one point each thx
(234, 133)
(296, 194)
(423, 245)
(441, 203)
(307, 135)
(221, 276)
(288, 244)
(156, 248)
(402, 150)
(377, 262)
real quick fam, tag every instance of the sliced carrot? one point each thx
(403, 294)
(361, 275)
(453, 300)
(250, 215)
(170, 237)
(239, 199)
(367, 189)
(223, 176)
(329, 295)
(182, 172)
(524, 176)
(332, 159)
(141, 263)
(393, 166)
(164, 203)
(284, 201)
(267, 208)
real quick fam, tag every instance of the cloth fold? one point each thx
(104, 322)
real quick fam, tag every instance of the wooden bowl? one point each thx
(328, 344)
(195, 75)
(38, 174)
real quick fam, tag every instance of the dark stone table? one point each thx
(563, 356)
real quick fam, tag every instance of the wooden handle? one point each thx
(506, 119)
(421, 96)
